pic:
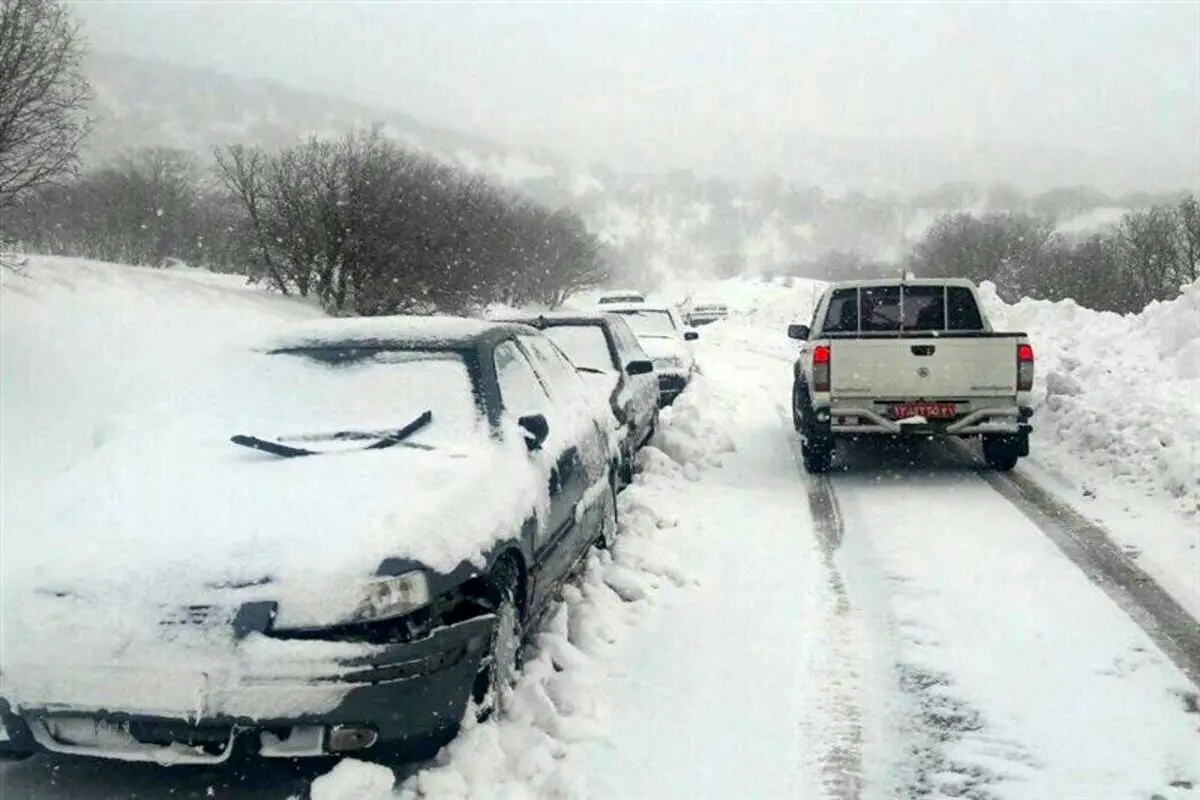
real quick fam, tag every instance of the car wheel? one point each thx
(498, 669)
(610, 523)
(1001, 452)
(797, 397)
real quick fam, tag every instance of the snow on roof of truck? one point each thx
(868, 282)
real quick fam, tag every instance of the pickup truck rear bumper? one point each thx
(857, 419)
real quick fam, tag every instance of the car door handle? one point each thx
(922, 349)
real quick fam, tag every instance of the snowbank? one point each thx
(1119, 395)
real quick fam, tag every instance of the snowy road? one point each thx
(909, 634)
(937, 642)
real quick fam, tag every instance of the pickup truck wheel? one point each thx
(798, 397)
(498, 669)
(1001, 452)
(818, 457)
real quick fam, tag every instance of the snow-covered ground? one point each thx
(727, 647)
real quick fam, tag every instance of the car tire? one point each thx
(498, 670)
(610, 521)
(1001, 452)
(625, 467)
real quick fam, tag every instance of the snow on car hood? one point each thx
(170, 511)
(658, 347)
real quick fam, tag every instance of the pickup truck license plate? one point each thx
(926, 410)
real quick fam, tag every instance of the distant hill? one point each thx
(662, 225)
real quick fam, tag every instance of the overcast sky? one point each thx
(672, 81)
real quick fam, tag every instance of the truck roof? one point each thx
(864, 283)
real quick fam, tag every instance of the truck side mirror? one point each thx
(798, 332)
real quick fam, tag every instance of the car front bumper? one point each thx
(407, 694)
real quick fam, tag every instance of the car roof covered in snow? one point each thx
(539, 319)
(622, 308)
(433, 332)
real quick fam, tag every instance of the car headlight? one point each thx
(393, 596)
(669, 362)
(381, 598)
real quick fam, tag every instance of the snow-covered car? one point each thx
(910, 358)
(611, 360)
(705, 313)
(330, 546)
(620, 296)
(665, 339)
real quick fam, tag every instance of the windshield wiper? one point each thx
(592, 370)
(382, 439)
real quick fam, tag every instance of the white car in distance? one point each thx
(665, 338)
(620, 296)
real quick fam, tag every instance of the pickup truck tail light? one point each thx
(821, 359)
(1024, 367)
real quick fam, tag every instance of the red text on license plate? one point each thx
(926, 410)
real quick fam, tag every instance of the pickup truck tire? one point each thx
(1001, 452)
(816, 446)
(818, 458)
(798, 397)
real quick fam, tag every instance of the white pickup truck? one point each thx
(911, 357)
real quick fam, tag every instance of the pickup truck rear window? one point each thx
(880, 309)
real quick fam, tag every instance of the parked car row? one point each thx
(617, 370)
(353, 567)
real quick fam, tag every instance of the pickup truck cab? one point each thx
(909, 358)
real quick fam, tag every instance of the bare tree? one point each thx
(1005, 248)
(1188, 216)
(1149, 240)
(43, 96)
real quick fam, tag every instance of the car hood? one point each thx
(147, 517)
(665, 347)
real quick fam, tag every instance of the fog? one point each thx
(734, 87)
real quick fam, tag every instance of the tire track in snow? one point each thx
(1090, 548)
(839, 760)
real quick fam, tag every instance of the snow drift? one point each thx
(1117, 394)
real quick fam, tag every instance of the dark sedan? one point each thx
(349, 571)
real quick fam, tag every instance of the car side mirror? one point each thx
(798, 331)
(691, 336)
(536, 429)
(639, 367)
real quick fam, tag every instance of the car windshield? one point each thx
(585, 345)
(358, 394)
(621, 298)
(651, 322)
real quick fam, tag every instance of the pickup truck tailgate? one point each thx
(924, 368)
